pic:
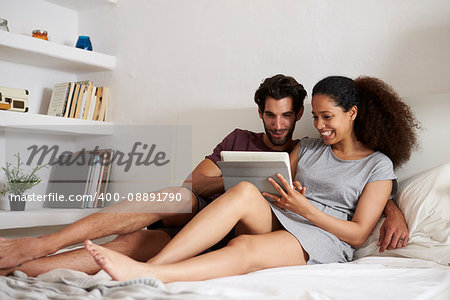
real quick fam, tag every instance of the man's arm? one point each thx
(206, 179)
(394, 231)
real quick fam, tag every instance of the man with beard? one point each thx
(280, 105)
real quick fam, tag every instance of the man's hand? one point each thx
(394, 231)
(14, 252)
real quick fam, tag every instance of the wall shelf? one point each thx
(31, 51)
(42, 217)
(81, 5)
(26, 122)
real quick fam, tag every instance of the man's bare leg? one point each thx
(120, 219)
(140, 245)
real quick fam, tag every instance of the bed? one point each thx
(419, 271)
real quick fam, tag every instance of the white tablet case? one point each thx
(254, 167)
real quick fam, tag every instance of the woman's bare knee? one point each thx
(245, 187)
(275, 249)
(244, 245)
(243, 241)
(245, 192)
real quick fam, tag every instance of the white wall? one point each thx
(23, 17)
(187, 55)
(183, 55)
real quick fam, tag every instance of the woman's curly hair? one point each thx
(384, 122)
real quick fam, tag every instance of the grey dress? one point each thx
(334, 187)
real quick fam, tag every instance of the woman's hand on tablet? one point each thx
(292, 199)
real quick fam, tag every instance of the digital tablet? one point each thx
(254, 167)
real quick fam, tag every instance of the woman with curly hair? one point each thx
(343, 181)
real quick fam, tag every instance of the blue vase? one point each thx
(84, 42)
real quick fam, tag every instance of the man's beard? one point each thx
(280, 141)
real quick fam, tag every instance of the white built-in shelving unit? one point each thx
(24, 50)
(81, 5)
(21, 49)
(42, 217)
(18, 121)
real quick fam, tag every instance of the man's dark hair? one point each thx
(279, 87)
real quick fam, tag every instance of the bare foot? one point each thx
(120, 267)
(13, 252)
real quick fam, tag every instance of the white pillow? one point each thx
(425, 201)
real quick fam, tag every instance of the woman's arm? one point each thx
(355, 232)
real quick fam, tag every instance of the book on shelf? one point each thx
(90, 113)
(93, 182)
(74, 100)
(97, 103)
(106, 103)
(79, 100)
(105, 175)
(69, 100)
(58, 100)
(87, 182)
(87, 187)
(101, 170)
(87, 103)
(103, 106)
(98, 190)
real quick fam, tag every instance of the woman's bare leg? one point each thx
(243, 205)
(243, 254)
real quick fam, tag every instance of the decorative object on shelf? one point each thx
(4, 24)
(5, 106)
(14, 99)
(84, 42)
(40, 34)
(18, 182)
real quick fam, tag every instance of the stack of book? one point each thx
(98, 179)
(81, 185)
(79, 100)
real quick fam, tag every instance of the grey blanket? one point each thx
(68, 284)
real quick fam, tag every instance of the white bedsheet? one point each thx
(367, 278)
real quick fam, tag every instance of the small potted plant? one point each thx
(17, 182)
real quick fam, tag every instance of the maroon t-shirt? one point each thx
(243, 140)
